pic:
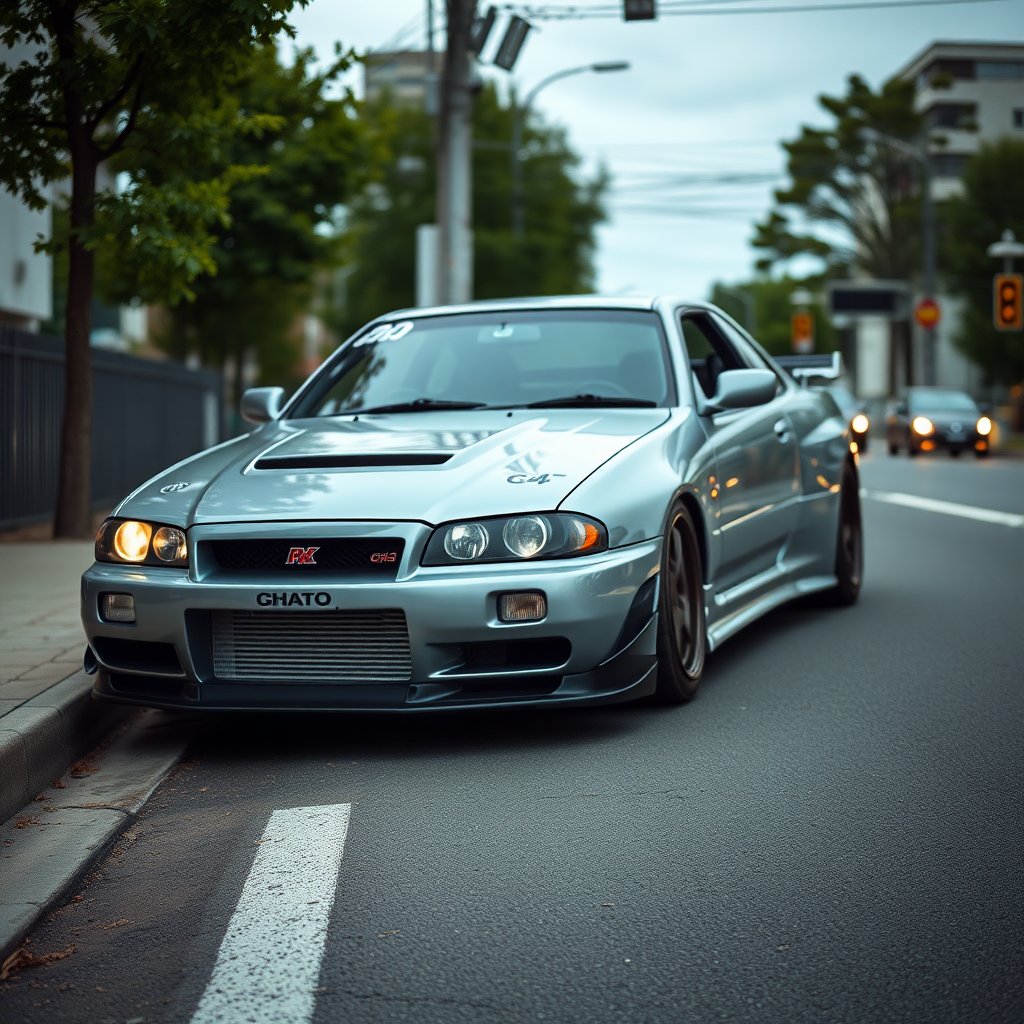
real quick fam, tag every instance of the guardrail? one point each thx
(146, 415)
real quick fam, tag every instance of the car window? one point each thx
(708, 351)
(748, 352)
(496, 359)
(942, 401)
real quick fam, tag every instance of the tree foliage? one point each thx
(773, 312)
(306, 155)
(80, 82)
(992, 201)
(555, 253)
(851, 203)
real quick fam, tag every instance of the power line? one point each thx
(579, 13)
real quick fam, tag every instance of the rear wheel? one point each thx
(849, 565)
(894, 449)
(682, 640)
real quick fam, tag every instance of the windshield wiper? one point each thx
(593, 400)
(418, 405)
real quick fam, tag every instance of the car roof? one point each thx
(647, 302)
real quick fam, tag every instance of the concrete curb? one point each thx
(42, 738)
(53, 842)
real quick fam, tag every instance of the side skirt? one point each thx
(733, 623)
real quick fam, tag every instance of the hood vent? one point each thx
(352, 461)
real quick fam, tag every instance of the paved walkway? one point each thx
(41, 638)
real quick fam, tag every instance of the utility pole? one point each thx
(454, 160)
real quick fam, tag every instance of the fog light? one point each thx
(530, 607)
(118, 608)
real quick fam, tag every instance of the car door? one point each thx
(758, 473)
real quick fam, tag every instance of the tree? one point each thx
(88, 74)
(555, 254)
(773, 312)
(313, 152)
(855, 199)
(992, 201)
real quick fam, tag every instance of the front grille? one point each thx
(340, 556)
(330, 646)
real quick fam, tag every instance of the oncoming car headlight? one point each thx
(133, 542)
(922, 425)
(859, 424)
(984, 426)
(515, 539)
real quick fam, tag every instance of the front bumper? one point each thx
(445, 610)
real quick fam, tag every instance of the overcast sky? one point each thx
(706, 95)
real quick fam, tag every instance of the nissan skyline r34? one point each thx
(559, 501)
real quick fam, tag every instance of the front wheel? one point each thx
(682, 638)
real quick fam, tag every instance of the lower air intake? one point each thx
(310, 647)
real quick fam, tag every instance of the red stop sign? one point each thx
(927, 313)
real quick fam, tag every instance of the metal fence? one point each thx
(146, 415)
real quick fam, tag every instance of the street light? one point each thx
(923, 157)
(519, 113)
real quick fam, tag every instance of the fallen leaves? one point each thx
(115, 924)
(25, 821)
(382, 934)
(59, 784)
(23, 957)
(87, 766)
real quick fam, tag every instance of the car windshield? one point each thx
(942, 401)
(496, 360)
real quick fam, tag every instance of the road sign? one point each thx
(1008, 302)
(803, 332)
(855, 299)
(927, 313)
(639, 10)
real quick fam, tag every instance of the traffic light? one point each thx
(1008, 302)
(803, 332)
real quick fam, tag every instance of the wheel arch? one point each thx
(692, 505)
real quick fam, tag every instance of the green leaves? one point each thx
(855, 200)
(992, 201)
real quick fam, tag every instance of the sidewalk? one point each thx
(41, 638)
(47, 717)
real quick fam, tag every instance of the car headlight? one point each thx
(859, 424)
(515, 539)
(984, 426)
(133, 542)
(922, 425)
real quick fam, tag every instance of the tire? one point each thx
(954, 453)
(981, 454)
(849, 563)
(894, 449)
(682, 636)
(913, 452)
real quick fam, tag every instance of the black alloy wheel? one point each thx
(849, 565)
(682, 637)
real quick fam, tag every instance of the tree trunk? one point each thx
(73, 513)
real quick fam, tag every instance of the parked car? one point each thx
(559, 502)
(925, 419)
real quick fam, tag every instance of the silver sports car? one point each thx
(538, 501)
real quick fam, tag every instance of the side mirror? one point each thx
(742, 389)
(902, 409)
(261, 405)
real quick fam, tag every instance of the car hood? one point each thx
(493, 463)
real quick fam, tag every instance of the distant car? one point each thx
(554, 502)
(927, 419)
(855, 413)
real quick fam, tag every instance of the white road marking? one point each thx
(949, 508)
(268, 966)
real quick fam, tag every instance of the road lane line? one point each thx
(949, 508)
(268, 965)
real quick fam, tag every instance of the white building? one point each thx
(26, 276)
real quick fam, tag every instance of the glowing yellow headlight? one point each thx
(984, 426)
(922, 425)
(859, 424)
(131, 542)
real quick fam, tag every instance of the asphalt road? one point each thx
(831, 831)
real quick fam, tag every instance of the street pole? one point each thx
(519, 113)
(454, 160)
(928, 231)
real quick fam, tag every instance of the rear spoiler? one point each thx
(829, 366)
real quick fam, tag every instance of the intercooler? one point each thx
(329, 646)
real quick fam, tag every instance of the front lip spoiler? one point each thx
(630, 675)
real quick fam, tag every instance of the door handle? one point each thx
(782, 430)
